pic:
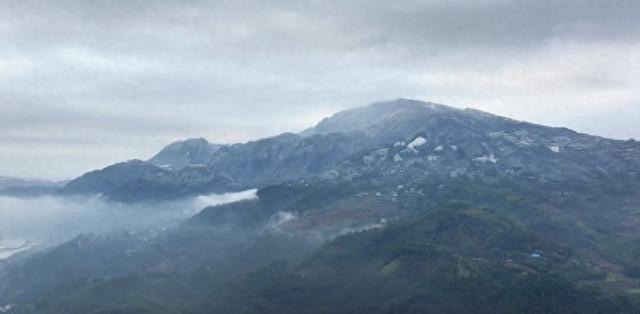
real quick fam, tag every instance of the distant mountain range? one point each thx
(28, 187)
(398, 207)
(10, 182)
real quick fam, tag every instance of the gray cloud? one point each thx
(87, 83)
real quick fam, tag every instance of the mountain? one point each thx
(177, 155)
(138, 180)
(100, 181)
(397, 207)
(230, 168)
(393, 137)
(443, 261)
(385, 121)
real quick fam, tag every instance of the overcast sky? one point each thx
(87, 83)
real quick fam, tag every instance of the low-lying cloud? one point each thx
(48, 220)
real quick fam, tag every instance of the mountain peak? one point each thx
(401, 103)
(180, 154)
(194, 141)
(392, 119)
(380, 117)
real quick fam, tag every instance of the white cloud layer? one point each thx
(48, 220)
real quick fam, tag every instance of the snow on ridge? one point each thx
(491, 158)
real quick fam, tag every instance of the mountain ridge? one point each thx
(328, 147)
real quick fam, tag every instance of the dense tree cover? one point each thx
(467, 247)
(444, 261)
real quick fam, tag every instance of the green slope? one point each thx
(444, 261)
(462, 246)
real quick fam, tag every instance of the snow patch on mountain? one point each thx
(417, 142)
(554, 148)
(486, 158)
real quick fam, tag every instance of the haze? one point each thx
(49, 220)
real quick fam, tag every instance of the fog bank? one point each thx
(47, 220)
